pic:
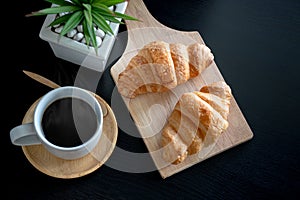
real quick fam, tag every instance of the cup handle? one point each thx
(24, 135)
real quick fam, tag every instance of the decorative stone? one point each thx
(59, 29)
(56, 26)
(79, 28)
(83, 41)
(112, 8)
(62, 14)
(100, 33)
(99, 41)
(78, 36)
(72, 33)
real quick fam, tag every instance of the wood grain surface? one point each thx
(56, 167)
(150, 111)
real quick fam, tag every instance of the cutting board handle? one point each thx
(138, 9)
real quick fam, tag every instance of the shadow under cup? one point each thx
(69, 122)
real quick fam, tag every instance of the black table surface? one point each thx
(255, 44)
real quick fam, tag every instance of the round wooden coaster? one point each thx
(53, 166)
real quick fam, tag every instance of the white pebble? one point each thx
(100, 33)
(79, 28)
(58, 29)
(72, 33)
(111, 8)
(99, 41)
(78, 36)
(62, 14)
(83, 41)
(56, 25)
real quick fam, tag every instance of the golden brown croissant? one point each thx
(160, 66)
(197, 119)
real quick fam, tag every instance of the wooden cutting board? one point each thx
(150, 111)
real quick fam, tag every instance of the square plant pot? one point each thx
(77, 52)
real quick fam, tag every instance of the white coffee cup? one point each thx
(33, 133)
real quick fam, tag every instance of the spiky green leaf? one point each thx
(84, 1)
(87, 6)
(60, 20)
(124, 16)
(77, 2)
(60, 2)
(73, 22)
(101, 8)
(89, 34)
(55, 10)
(101, 23)
(86, 31)
(113, 19)
(88, 14)
(109, 2)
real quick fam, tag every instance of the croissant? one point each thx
(197, 119)
(160, 66)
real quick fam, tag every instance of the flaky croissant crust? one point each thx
(197, 120)
(160, 66)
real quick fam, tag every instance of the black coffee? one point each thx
(69, 122)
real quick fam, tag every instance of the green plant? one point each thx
(88, 13)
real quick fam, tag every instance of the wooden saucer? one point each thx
(53, 166)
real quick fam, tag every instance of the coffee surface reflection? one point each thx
(69, 122)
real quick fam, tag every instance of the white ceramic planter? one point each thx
(77, 52)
